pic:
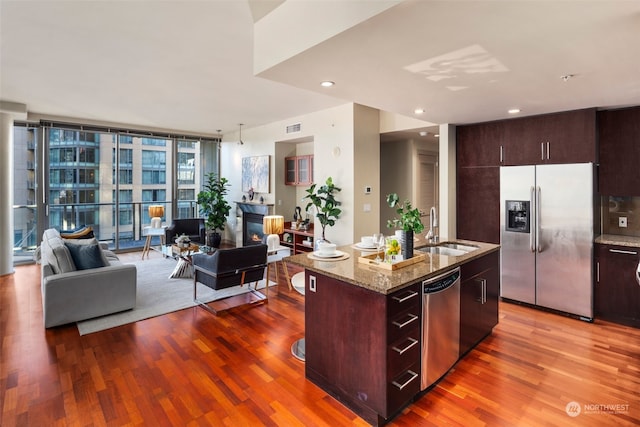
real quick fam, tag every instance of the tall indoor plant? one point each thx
(214, 207)
(409, 222)
(322, 197)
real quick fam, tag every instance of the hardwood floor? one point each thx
(193, 368)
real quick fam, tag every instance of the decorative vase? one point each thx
(214, 240)
(407, 244)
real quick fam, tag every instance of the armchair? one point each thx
(226, 268)
(192, 227)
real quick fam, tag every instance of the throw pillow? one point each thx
(82, 233)
(85, 256)
(92, 241)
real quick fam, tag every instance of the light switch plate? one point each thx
(622, 221)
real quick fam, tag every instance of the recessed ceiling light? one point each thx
(419, 110)
(327, 83)
(514, 111)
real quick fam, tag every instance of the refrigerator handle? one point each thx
(538, 237)
(532, 237)
(542, 151)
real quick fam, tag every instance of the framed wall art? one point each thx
(256, 174)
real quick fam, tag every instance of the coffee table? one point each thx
(184, 267)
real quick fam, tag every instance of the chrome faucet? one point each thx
(432, 235)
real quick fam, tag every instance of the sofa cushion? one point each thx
(86, 242)
(86, 256)
(55, 253)
(81, 233)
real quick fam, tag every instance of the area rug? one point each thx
(157, 294)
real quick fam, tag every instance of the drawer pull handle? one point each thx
(412, 342)
(412, 317)
(618, 251)
(410, 295)
(401, 386)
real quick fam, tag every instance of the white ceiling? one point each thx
(188, 65)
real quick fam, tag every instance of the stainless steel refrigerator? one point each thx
(546, 233)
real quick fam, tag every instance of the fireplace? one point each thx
(251, 229)
(252, 214)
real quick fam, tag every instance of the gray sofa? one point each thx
(70, 294)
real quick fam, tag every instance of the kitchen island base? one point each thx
(363, 346)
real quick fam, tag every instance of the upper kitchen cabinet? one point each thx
(567, 137)
(558, 138)
(619, 138)
(298, 170)
(479, 144)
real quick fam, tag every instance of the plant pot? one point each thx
(214, 240)
(407, 244)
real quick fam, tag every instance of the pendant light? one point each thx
(241, 143)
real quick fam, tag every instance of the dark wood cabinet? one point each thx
(619, 139)
(567, 137)
(478, 204)
(479, 292)
(298, 170)
(479, 145)
(363, 347)
(617, 293)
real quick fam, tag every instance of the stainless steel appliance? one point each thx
(440, 326)
(546, 233)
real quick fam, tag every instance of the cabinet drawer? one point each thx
(400, 325)
(403, 300)
(403, 353)
(403, 388)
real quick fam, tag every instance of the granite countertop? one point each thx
(619, 240)
(386, 281)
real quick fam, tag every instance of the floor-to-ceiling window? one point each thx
(106, 179)
(25, 213)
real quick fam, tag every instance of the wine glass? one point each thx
(378, 240)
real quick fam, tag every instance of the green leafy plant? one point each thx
(212, 202)
(322, 197)
(409, 216)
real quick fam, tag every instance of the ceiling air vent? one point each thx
(293, 128)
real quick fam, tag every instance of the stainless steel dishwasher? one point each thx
(440, 326)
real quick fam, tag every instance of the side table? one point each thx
(150, 232)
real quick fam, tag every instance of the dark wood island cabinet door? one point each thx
(479, 294)
(619, 138)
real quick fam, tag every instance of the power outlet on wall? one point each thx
(622, 221)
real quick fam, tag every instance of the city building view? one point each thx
(103, 179)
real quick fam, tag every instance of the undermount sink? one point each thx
(449, 249)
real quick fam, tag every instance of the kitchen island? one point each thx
(363, 324)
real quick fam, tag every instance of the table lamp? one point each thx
(273, 225)
(156, 212)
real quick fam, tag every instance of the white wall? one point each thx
(328, 129)
(366, 171)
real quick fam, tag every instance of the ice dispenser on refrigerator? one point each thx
(518, 216)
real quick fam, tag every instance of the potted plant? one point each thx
(214, 207)
(409, 222)
(322, 197)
